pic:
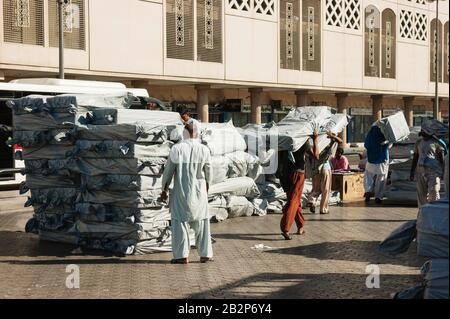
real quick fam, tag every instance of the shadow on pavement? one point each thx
(353, 250)
(252, 237)
(306, 286)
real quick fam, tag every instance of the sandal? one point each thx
(286, 236)
(204, 260)
(182, 261)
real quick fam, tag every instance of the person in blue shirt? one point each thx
(377, 166)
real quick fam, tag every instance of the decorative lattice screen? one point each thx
(413, 25)
(209, 30)
(311, 40)
(240, 5)
(352, 18)
(74, 24)
(23, 21)
(289, 34)
(180, 29)
(388, 44)
(333, 13)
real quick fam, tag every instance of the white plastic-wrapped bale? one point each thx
(222, 138)
(239, 186)
(394, 127)
(113, 182)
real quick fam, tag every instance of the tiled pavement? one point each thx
(329, 261)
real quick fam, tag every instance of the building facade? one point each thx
(246, 60)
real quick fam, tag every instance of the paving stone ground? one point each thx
(329, 261)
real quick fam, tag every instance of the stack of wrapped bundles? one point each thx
(400, 187)
(120, 155)
(233, 192)
(290, 134)
(94, 170)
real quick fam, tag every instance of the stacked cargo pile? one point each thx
(106, 178)
(289, 135)
(233, 192)
(431, 230)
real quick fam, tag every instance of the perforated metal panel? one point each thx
(433, 51)
(74, 24)
(446, 53)
(23, 21)
(180, 29)
(311, 26)
(372, 42)
(388, 44)
(290, 34)
(209, 30)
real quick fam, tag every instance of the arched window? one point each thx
(372, 41)
(311, 35)
(433, 48)
(446, 56)
(388, 44)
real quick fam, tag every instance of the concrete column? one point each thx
(409, 111)
(377, 107)
(341, 104)
(302, 97)
(255, 99)
(202, 103)
(439, 114)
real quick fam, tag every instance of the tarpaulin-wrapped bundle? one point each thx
(435, 272)
(394, 127)
(433, 230)
(222, 138)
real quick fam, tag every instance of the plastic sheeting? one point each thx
(128, 166)
(436, 282)
(139, 132)
(394, 127)
(40, 138)
(433, 230)
(118, 149)
(434, 127)
(400, 239)
(132, 199)
(108, 116)
(222, 138)
(239, 186)
(121, 182)
(46, 152)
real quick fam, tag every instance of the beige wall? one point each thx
(125, 39)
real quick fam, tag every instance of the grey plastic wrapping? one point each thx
(60, 236)
(40, 138)
(36, 181)
(239, 186)
(47, 152)
(119, 149)
(119, 230)
(117, 100)
(222, 138)
(139, 132)
(121, 182)
(435, 273)
(52, 197)
(434, 127)
(132, 199)
(394, 127)
(27, 105)
(108, 116)
(400, 239)
(433, 230)
(128, 166)
(44, 121)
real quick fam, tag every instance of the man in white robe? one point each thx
(189, 164)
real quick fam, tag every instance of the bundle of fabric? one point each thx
(394, 127)
(40, 127)
(94, 171)
(295, 129)
(433, 230)
(233, 192)
(121, 159)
